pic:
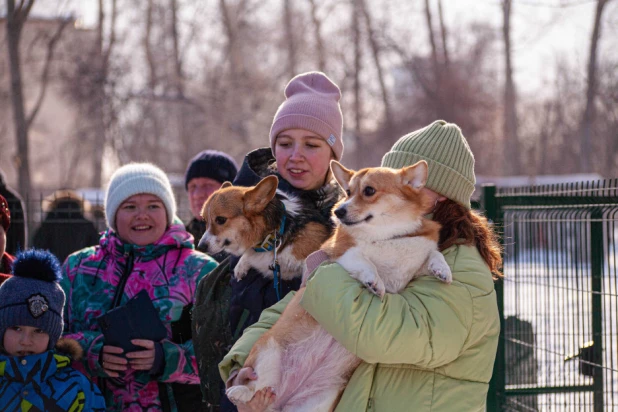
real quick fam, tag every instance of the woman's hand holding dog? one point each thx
(261, 400)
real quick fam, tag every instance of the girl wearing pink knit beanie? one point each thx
(306, 131)
(305, 135)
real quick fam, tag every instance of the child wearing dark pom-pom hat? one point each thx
(35, 371)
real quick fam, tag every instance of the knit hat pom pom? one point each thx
(37, 264)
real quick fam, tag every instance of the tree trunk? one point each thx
(512, 161)
(591, 92)
(236, 119)
(357, 66)
(375, 49)
(289, 37)
(14, 26)
(319, 44)
(178, 76)
(102, 56)
(437, 75)
(152, 78)
(447, 60)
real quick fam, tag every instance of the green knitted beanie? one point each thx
(450, 160)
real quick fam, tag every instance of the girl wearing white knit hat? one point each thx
(145, 250)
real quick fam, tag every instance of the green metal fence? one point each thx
(559, 299)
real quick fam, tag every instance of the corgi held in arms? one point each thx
(383, 240)
(255, 222)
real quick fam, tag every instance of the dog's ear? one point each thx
(258, 197)
(342, 175)
(415, 176)
(226, 184)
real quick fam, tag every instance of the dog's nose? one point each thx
(203, 243)
(340, 212)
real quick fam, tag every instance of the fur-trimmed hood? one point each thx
(70, 348)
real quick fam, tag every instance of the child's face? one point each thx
(25, 340)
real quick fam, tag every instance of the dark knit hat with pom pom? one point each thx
(33, 296)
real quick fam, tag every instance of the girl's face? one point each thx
(141, 219)
(25, 340)
(303, 158)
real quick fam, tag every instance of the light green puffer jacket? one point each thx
(430, 348)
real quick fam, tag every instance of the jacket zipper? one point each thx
(123, 279)
(117, 298)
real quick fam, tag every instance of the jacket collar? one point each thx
(175, 237)
(39, 367)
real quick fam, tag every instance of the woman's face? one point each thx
(199, 190)
(141, 219)
(303, 158)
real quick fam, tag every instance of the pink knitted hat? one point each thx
(312, 103)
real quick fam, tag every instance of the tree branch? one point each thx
(51, 47)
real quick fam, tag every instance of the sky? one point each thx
(542, 30)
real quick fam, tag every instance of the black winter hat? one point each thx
(212, 164)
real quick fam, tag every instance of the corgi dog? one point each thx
(383, 240)
(257, 222)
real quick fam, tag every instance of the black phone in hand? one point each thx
(136, 319)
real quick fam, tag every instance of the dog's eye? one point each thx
(369, 191)
(347, 192)
(220, 220)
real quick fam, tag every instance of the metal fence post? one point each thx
(596, 272)
(497, 385)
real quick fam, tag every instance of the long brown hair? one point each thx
(468, 227)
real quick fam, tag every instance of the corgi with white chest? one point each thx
(383, 240)
(251, 222)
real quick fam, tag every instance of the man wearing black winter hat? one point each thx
(205, 174)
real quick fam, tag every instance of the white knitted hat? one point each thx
(133, 179)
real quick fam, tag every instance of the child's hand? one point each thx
(261, 400)
(144, 359)
(111, 363)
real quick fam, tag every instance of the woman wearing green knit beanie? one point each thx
(432, 346)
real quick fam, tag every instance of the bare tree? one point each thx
(512, 160)
(445, 53)
(376, 52)
(102, 54)
(150, 60)
(16, 17)
(356, 33)
(432, 41)
(289, 38)
(319, 44)
(591, 91)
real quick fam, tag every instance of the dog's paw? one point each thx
(376, 287)
(371, 281)
(239, 394)
(440, 270)
(241, 270)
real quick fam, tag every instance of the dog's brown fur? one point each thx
(239, 218)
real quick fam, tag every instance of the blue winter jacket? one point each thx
(45, 382)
